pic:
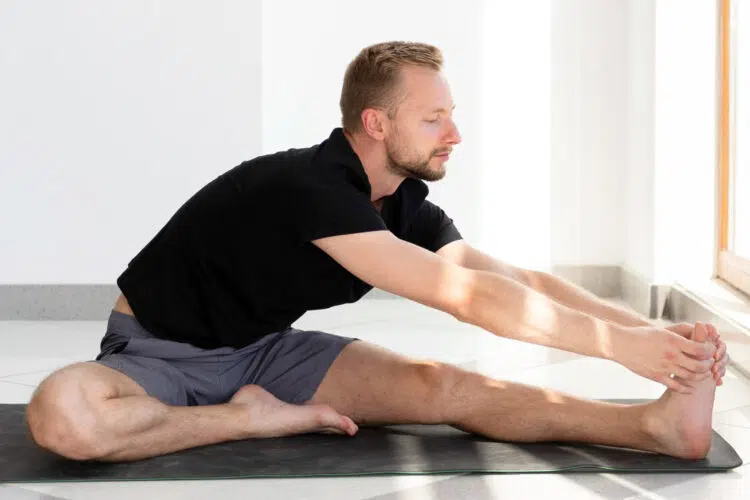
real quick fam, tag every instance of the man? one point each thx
(199, 348)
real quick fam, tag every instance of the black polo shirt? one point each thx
(236, 262)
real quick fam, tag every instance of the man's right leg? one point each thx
(88, 411)
(375, 386)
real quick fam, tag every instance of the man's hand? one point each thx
(721, 358)
(658, 354)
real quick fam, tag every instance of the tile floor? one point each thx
(31, 350)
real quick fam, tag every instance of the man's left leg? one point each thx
(374, 386)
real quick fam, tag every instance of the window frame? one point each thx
(730, 267)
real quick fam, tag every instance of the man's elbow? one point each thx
(535, 280)
(489, 301)
(463, 296)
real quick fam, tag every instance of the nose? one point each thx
(454, 136)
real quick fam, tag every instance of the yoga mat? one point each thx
(402, 449)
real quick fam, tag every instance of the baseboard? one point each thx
(603, 281)
(684, 305)
(75, 302)
(645, 297)
(57, 302)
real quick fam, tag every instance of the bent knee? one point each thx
(63, 415)
(437, 382)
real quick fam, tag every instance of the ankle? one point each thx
(653, 423)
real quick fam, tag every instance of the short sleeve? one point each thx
(431, 228)
(325, 207)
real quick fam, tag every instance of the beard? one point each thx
(411, 164)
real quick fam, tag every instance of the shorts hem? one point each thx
(305, 395)
(117, 365)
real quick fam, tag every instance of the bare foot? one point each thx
(271, 417)
(681, 423)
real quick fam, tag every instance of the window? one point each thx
(734, 145)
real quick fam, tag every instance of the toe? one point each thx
(700, 334)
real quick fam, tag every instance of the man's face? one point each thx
(422, 132)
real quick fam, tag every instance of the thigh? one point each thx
(156, 377)
(91, 380)
(373, 385)
(153, 364)
(290, 364)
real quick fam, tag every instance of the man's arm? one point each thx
(559, 289)
(573, 296)
(510, 309)
(486, 299)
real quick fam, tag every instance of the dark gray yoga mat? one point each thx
(404, 449)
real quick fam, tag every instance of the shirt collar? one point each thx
(338, 150)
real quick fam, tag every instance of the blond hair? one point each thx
(372, 78)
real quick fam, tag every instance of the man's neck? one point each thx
(374, 160)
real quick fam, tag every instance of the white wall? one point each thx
(639, 181)
(304, 64)
(685, 84)
(671, 180)
(573, 114)
(112, 114)
(634, 136)
(515, 215)
(589, 142)
(497, 57)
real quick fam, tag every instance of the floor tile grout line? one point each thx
(733, 425)
(25, 373)
(18, 383)
(733, 409)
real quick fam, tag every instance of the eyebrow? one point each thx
(442, 110)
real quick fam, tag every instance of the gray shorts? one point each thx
(289, 364)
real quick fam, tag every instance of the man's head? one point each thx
(395, 93)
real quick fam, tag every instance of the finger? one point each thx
(719, 365)
(694, 365)
(720, 368)
(684, 374)
(682, 329)
(712, 330)
(699, 350)
(721, 351)
(717, 342)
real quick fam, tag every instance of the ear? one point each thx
(374, 123)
